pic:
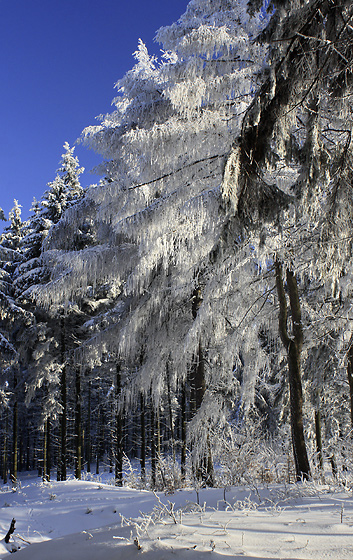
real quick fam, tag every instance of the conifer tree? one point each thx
(295, 152)
(158, 214)
(227, 157)
(41, 352)
(14, 319)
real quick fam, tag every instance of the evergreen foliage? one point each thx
(199, 294)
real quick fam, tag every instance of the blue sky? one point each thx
(58, 65)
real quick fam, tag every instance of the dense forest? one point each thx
(188, 318)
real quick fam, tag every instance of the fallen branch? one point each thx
(10, 531)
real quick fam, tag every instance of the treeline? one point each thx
(194, 308)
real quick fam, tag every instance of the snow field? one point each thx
(91, 520)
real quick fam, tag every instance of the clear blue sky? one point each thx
(59, 61)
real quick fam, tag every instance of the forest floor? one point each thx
(94, 520)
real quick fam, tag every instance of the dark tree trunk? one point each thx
(63, 416)
(183, 432)
(63, 426)
(350, 378)
(170, 415)
(118, 431)
(200, 383)
(14, 461)
(98, 438)
(319, 438)
(20, 452)
(158, 436)
(46, 451)
(48, 430)
(153, 448)
(88, 438)
(78, 425)
(204, 469)
(5, 449)
(334, 467)
(28, 449)
(143, 439)
(293, 347)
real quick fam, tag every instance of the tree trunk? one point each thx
(28, 448)
(350, 377)
(14, 433)
(159, 436)
(48, 467)
(143, 439)
(63, 415)
(199, 377)
(45, 452)
(118, 431)
(204, 468)
(319, 438)
(78, 425)
(88, 438)
(293, 347)
(63, 426)
(334, 467)
(5, 450)
(20, 452)
(153, 448)
(183, 432)
(98, 438)
(170, 414)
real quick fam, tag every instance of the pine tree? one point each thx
(294, 150)
(225, 158)
(158, 214)
(41, 353)
(14, 319)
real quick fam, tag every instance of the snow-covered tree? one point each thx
(226, 163)
(64, 192)
(13, 321)
(295, 152)
(28, 330)
(159, 213)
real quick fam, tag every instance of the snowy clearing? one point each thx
(91, 520)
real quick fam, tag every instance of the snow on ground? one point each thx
(93, 520)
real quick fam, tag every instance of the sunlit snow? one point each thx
(92, 519)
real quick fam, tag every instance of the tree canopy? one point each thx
(214, 255)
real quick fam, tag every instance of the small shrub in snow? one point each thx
(131, 475)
